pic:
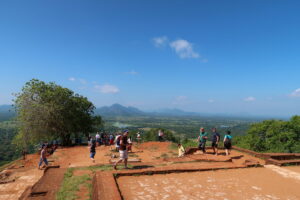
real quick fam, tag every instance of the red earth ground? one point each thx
(151, 154)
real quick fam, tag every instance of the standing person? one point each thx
(123, 150)
(111, 140)
(215, 140)
(227, 142)
(138, 137)
(98, 138)
(160, 135)
(129, 147)
(24, 152)
(202, 140)
(43, 157)
(117, 141)
(93, 150)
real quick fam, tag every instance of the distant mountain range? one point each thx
(119, 110)
(7, 112)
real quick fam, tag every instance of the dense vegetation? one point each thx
(273, 136)
(8, 152)
(46, 111)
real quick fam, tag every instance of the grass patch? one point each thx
(71, 185)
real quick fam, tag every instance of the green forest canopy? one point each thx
(272, 136)
(46, 111)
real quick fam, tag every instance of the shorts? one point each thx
(92, 154)
(227, 145)
(123, 154)
(214, 144)
(43, 160)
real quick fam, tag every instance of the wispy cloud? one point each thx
(107, 88)
(248, 99)
(295, 93)
(184, 49)
(132, 72)
(180, 100)
(160, 41)
(80, 80)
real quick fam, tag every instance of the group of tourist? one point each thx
(203, 136)
(123, 144)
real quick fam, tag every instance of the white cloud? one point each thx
(132, 72)
(72, 79)
(160, 41)
(211, 101)
(184, 49)
(295, 93)
(249, 99)
(107, 88)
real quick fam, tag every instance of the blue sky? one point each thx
(205, 56)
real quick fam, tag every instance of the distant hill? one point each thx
(119, 110)
(7, 112)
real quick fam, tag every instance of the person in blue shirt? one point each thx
(215, 140)
(202, 140)
(227, 142)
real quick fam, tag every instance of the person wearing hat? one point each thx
(123, 149)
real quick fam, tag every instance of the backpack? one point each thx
(227, 139)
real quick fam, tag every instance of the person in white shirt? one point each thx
(98, 139)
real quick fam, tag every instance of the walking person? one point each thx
(93, 150)
(227, 142)
(215, 140)
(43, 157)
(202, 140)
(123, 149)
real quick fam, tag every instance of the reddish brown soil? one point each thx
(49, 183)
(225, 184)
(152, 154)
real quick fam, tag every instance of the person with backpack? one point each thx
(227, 142)
(123, 150)
(202, 140)
(215, 140)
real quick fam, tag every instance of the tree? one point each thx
(273, 136)
(48, 111)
